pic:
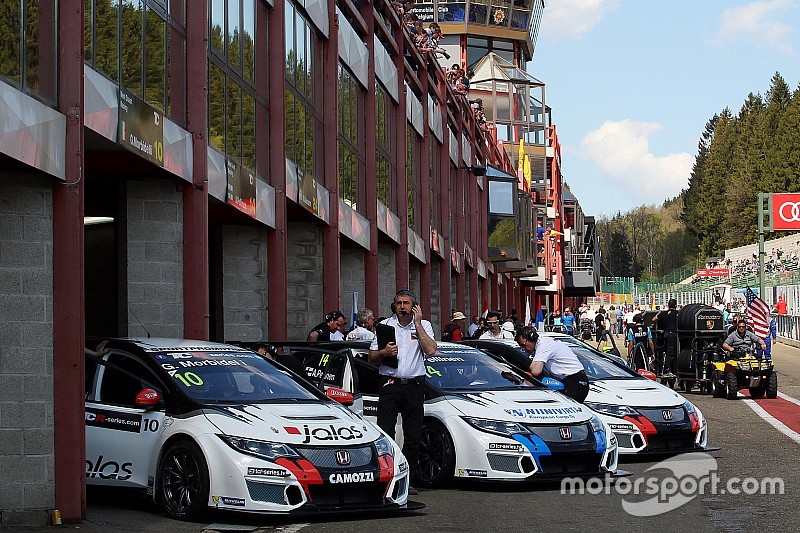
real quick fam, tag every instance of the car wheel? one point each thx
(731, 385)
(757, 392)
(772, 386)
(437, 456)
(183, 482)
(718, 384)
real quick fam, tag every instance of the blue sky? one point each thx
(632, 84)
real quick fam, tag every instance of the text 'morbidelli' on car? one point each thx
(202, 425)
(645, 416)
(484, 419)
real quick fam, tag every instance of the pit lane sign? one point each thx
(141, 128)
(785, 211)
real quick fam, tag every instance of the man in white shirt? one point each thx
(365, 326)
(495, 331)
(560, 362)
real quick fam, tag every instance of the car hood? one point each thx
(633, 392)
(314, 424)
(529, 406)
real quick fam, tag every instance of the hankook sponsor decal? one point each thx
(103, 418)
(468, 472)
(236, 502)
(352, 477)
(252, 471)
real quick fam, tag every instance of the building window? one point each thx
(303, 79)
(232, 95)
(413, 169)
(385, 144)
(352, 165)
(141, 45)
(28, 44)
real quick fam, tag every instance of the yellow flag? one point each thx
(521, 162)
(527, 171)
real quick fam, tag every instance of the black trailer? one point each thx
(701, 332)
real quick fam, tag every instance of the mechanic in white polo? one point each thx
(560, 362)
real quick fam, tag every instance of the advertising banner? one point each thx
(241, 191)
(141, 128)
(785, 211)
(713, 272)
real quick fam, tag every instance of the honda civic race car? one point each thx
(202, 425)
(645, 416)
(483, 420)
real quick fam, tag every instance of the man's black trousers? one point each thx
(405, 397)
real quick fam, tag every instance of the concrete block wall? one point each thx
(387, 278)
(305, 276)
(352, 280)
(26, 348)
(244, 282)
(155, 258)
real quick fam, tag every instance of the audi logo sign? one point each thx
(786, 211)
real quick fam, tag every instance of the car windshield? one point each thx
(598, 368)
(231, 377)
(465, 368)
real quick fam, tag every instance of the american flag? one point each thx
(758, 313)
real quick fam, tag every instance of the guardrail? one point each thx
(788, 326)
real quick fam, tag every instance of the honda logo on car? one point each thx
(565, 433)
(325, 433)
(343, 457)
(352, 477)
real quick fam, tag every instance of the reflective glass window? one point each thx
(28, 44)
(502, 197)
(351, 140)
(385, 160)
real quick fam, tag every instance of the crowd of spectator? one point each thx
(427, 42)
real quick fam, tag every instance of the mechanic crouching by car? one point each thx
(402, 373)
(559, 361)
(742, 339)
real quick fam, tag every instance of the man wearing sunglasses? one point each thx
(495, 331)
(742, 339)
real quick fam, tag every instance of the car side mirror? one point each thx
(646, 374)
(148, 399)
(339, 395)
(552, 383)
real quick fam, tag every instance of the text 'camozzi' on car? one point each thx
(201, 425)
(645, 416)
(483, 420)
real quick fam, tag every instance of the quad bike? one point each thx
(745, 369)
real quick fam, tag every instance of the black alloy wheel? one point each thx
(437, 456)
(183, 481)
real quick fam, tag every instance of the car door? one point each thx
(121, 438)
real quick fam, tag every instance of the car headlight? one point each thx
(610, 409)
(597, 425)
(384, 446)
(498, 427)
(744, 365)
(259, 448)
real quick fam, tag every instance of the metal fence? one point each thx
(788, 326)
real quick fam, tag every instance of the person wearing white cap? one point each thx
(454, 331)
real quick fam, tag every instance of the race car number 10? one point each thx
(189, 378)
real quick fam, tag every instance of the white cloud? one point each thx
(622, 152)
(567, 19)
(758, 22)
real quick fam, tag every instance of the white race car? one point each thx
(201, 425)
(483, 419)
(646, 417)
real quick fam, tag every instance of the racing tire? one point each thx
(757, 392)
(731, 385)
(772, 386)
(717, 386)
(437, 456)
(183, 481)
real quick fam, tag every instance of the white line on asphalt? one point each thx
(771, 420)
(788, 398)
(294, 528)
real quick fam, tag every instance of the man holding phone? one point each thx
(402, 390)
